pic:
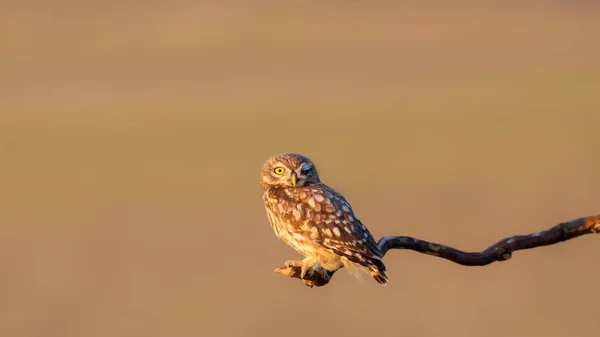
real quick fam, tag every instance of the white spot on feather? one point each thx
(347, 230)
(346, 209)
(313, 204)
(319, 198)
(336, 231)
(297, 214)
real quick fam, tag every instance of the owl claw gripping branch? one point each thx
(316, 221)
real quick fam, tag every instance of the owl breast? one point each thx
(297, 241)
(289, 233)
(299, 217)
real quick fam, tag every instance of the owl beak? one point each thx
(293, 179)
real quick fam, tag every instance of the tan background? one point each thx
(132, 135)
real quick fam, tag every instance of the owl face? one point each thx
(289, 169)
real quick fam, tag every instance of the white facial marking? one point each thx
(336, 231)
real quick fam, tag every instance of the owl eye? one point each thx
(279, 170)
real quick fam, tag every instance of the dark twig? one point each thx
(500, 251)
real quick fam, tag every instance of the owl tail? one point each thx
(377, 270)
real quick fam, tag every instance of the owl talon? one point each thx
(305, 273)
(309, 269)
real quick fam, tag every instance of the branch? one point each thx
(500, 251)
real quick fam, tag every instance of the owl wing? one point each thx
(339, 230)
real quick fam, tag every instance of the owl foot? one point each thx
(307, 267)
(311, 274)
(316, 276)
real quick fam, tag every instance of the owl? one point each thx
(315, 220)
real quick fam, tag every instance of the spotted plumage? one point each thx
(316, 220)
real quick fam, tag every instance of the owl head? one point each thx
(289, 170)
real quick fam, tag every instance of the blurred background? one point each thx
(132, 135)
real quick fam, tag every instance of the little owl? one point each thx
(315, 220)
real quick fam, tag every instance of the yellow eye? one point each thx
(279, 170)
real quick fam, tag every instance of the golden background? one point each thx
(132, 135)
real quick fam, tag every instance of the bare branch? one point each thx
(500, 251)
